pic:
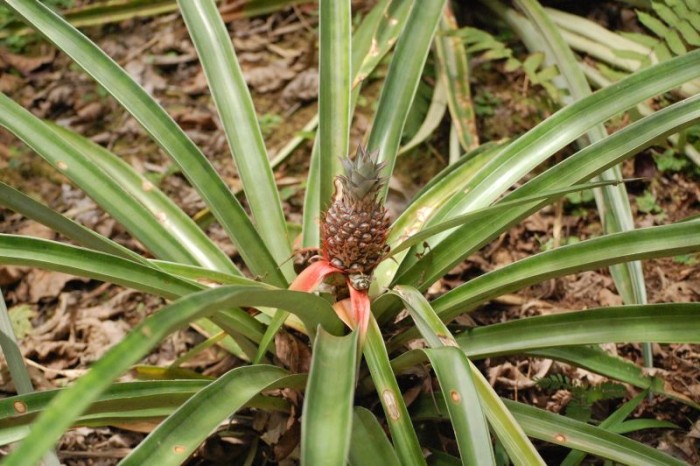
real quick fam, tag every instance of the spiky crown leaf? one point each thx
(361, 177)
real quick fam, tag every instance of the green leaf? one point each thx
(594, 359)
(647, 203)
(404, 435)
(471, 431)
(453, 62)
(235, 107)
(162, 129)
(567, 432)
(176, 223)
(612, 201)
(560, 430)
(467, 239)
(120, 403)
(652, 23)
(662, 52)
(473, 438)
(50, 255)
(70, 404)
(203, 275)
(369, 444)
(402, 81)
(326, 425)
(520, 449)
(431, 118)
(690, 35)
(478, 214)
(665, 13)
(25, 205)
(428, 202)
(10, 348)
(661, 323)
(644, 243)
(180, 434)
(60, 153)
(370, 43)
(334, 91)
(675, 43)
(615, 419)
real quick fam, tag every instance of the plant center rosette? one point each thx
(354, 230)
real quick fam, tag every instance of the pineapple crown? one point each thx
(361, 177)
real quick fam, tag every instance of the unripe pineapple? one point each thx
(355, 227)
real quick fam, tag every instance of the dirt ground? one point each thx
(67, 322)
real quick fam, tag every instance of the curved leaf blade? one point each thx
(645, 243)
(50, 255)
(182, 432)
(613, 203)
(661, 323)
(405, 440)
(570, 433)
(70, 404)
(455, 376)
(369, 443)
(235, 107)
(164, 131)
(436, 333)
(58, 151)
(402, 81)
(175, 222)
(583, 165)
(326, 425)
(25, 205)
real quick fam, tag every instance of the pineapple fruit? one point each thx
(355, 226)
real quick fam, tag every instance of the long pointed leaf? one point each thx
(25, 205)
(456, 381)
(615, 419)
(402, 431)
(369, 443)
(402, 80)
(175, 222)
(182, 432)
(164, 131)
(237, 113)
(660, 323)
(613, 203)
(67, 406)
(453, 60)
(327, 416)
(667, 240)
(334, 91)
(35, 252)
(570, 433)
(590, 161)
(477, 214)
(436, 333)
(99, 185)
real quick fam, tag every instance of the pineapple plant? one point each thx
(354, 229)
(336, 425)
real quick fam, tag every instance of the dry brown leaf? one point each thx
(608, 298)
(293, 353)
(46, 284)
(271, 77)
(26, 64)
(303, 88)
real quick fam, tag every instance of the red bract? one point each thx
(354, 311)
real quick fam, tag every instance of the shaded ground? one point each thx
(69, 323)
